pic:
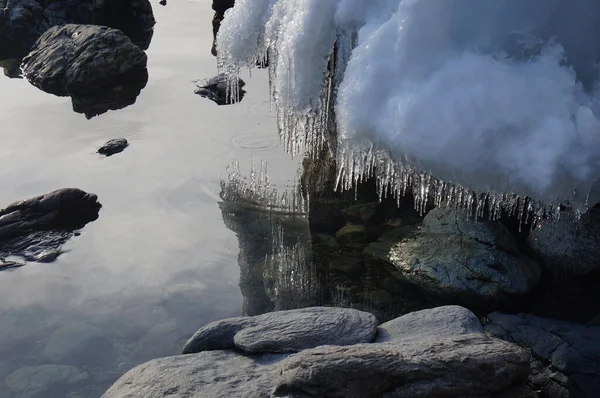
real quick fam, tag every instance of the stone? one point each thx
(105, 57)
(456, 258)
(210, 374)
(346, 264)
(430, 324)
(22, 22)
(569, 352)
(361, 212)
(568, 246)
(351, 234)
(113, 146)
(36, 228)
(44, 381)
(470, 365)
(286, 331)
(326, 240)
(78, 344)
(217, 90)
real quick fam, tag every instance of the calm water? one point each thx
(159, 262)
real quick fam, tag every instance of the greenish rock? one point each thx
(350, 265)
(44, 381)
(326, 240)
(397, 234)
(378, 250)
(361, 212)
(351, 234)
(456, 257)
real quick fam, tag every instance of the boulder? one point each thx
(566, 356)
(22, 22)
(45, 381)
(436, 323)
(78, 344)
(286, 331)
(453, 257)
(74, 60)
(113, 146)
(36, 228)
(219, 90)
(568, 245)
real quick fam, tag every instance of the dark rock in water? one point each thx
(36, 228)
(163, 2)
(113, 146)
(216, 89)
(81, 59)
(12, 68)
(22, 22)
(566, 356)
(286, 331)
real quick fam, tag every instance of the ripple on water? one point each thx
(263, 108)
(255, 142)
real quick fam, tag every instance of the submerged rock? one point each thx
(461, 362)
(103, 56)
(113, 146)
(566, 356)
(12, 68)
(22, 22)
(78, 344)
(45, 381)
(474, 261)
(286, 331)
(36, 228)
(216, 89)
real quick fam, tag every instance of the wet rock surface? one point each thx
(566, 356)
(78, 344)
(36, 228)
(462, 361)
(216, 89)
(22, 22)
(114, 146)
(477, 262)
(286, 331)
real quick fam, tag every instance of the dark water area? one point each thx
(159, 262)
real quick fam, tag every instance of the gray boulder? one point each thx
(45, 381)
(566, 356)
(210, 374)
(286, 331)
(22, 22)
(568, 245)
(78, 344)
(457, 258)
(75, 60)
(435, 323)
(417, 369)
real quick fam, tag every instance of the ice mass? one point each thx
(473, 103)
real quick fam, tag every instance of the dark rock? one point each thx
(568, 246)
(79, 59)
(286, 331)
(351, 234)
(474, 261)
(216, 89)
(163, 2)
(569, 353)
(22, 22)
(435, 323)
(36, 228)
(470, 365)
(211, 374)
(12, 68)
(346, 264)
(111, 147)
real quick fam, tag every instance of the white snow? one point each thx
(495, 95)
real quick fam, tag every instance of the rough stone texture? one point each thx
(286, 331)
(79, 59)
(36, 228)
(420, 369)
(351, 234)
(45, 381)
(216, 89)
(78, 344)
(567, 354)
(453, 257)
(435, 323)
(22, 22)
(113, 146)
(210, 374)
(568, 246)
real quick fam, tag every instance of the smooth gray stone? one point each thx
(570, 352)
(44, 381)
(286, 331)
(209, 374)
(471, 365)
(434, 323)
(476, 261)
